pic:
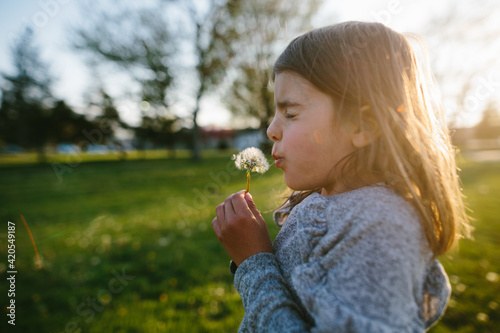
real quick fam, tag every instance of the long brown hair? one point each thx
(375, 81)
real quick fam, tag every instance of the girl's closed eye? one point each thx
(290, 115)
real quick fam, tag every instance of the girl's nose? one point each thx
(273, 131)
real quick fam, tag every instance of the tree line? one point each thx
(223, 45)
(175, 48)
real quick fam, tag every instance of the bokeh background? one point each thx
(118, 120)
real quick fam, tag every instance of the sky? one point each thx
(51, 20)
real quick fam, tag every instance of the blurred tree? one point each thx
(26, 98)
(138, 41)
(215, 34)
(464, 46)
(108, 120)
(489, 126)
(68, 126)
(159, 131)
(264, 27)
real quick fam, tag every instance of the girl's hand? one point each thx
(240, 228)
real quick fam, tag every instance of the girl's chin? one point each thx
(296, 186)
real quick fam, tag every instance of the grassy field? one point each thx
(127, 246)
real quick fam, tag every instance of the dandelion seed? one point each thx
(253, 160)
(454, 279)
(173, 282)
(484, 263)
(105, 299)
(151, 255)
(460, 287)
(483, 189)
(163, 241)
(492, 277)
(493, 305)
(122, 312)
(452, 303)
(163, 297)
(94, 261)
(482, 317)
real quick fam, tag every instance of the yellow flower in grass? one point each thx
(253, 160)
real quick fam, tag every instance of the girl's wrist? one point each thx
(233, 267)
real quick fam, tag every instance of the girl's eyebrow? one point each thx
(286, 104)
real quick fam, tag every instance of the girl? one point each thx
(364, 146)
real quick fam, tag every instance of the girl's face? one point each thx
(308, 140)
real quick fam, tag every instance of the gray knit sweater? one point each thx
(353, 262)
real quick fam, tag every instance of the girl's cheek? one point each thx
(316, 137)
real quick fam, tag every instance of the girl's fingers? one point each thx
(239, 204)
(216, 227)
(221, 216)
(233, 209)
(229, 208)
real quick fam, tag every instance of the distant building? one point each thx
(249, 138)
(67, 148)
(214, 138)
(467, 139)
(460, 136)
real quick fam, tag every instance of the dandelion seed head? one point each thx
(252, 159)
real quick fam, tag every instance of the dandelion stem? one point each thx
(248, 181)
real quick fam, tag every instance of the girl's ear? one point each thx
(361, 139)
(367, 130)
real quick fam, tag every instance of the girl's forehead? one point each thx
(290, 83)
(291, 88)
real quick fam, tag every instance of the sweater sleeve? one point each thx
(269, 305)
(362, 273)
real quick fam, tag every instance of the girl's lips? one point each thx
(279, 160)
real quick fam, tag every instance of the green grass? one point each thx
(151, 219)
(474, 268)
(33, 158)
